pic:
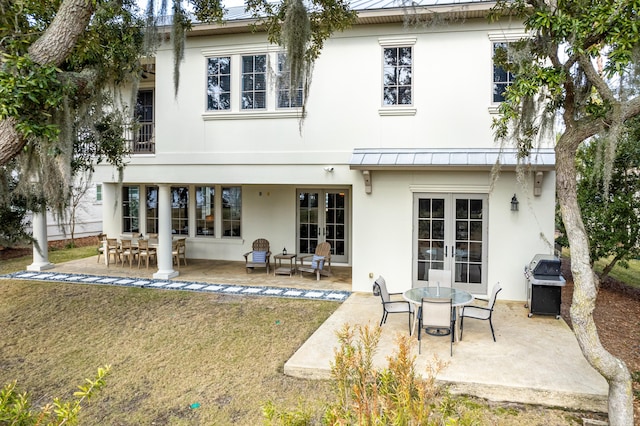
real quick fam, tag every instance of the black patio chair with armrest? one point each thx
(481, 312)
(390, 306)
(436, 317)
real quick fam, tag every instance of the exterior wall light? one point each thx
(514, 203)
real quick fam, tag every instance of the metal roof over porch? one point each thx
(542, 159)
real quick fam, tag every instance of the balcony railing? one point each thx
(144, 141)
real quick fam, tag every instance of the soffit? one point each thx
(369, 12)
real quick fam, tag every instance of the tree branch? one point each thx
(11, 141)
(595, 78)
(53, 47)
(59, 39)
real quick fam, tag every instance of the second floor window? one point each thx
(501, 77)
(287, 98)
(397, 73)
(144, 142)
(254, 82)
(219, 83)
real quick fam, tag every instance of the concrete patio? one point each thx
(535, 360)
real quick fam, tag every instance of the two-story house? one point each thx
(392, 164)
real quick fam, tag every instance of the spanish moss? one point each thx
(296, 33)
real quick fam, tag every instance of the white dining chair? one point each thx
(441, 277)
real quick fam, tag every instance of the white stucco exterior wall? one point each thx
(270, 157)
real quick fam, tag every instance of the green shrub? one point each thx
(394, 395)
(16, 408)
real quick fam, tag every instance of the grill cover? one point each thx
(544, 289)
(545, 265)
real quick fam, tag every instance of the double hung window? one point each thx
(287, 98)
(397, 76)
(250, 82)
(219, 83)
(501, 77)
(254, 82)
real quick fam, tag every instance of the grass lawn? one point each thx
(168, 350)
(629, 276)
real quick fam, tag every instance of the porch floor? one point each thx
(534, 360)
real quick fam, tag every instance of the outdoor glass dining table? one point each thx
(458, 298)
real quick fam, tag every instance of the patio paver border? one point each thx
(195, 286)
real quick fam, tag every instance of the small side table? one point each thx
(285, 270)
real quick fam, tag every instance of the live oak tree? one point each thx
(57, 80)
(579, 65)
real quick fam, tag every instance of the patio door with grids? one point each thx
(323, 216)
(450, 232)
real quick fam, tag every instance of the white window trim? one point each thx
(236, 112)
(398, 110)
(497, 37)
(99, 191)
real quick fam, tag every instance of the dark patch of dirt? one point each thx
(7, 253)
(617, 318)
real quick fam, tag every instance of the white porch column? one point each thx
(165, 259)
(111, 210)
(41, 249)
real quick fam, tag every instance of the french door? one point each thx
(323, 216)
(450, 232)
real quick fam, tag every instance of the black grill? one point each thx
(544, 285)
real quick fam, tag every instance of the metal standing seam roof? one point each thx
(484, 158)
(394, 4)
(235, 13)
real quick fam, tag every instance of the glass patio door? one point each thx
(450, 232)
(322, 216)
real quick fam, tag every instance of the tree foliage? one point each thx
(12, 214)
(579, 67)
(64, 60)
(53, 96)
(611, 213)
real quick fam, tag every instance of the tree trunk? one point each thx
(53, 47)
(614, 370)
